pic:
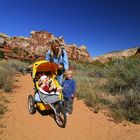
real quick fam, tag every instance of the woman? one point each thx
(58, 55)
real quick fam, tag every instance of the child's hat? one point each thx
(43, 77)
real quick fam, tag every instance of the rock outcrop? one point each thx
(3, 39)
(41, 41)
(36, 45)
(118, 55)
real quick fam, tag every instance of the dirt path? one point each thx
(83, 124)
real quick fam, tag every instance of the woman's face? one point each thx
(56, 48)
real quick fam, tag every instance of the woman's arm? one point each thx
(65, 60)
(48, 55)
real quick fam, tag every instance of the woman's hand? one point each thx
(72, 96)
(60, 66)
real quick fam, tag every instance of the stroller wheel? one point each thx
(31, 105)
(60, 116)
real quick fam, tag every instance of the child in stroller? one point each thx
(48, 90)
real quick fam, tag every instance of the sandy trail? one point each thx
(83, 124)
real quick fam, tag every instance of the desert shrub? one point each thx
(88, 85)
(2, 56)
(6, 77)
(16, 50)
(3, 101)
(91, 99)
(123, 80)
(8, 69)
(98, 64)
(87, 69)
(95, 74)
(118, 80)
(123, 76)
(81, 65)
(127, 107)
(2, 109)
(16, 64)
(86, 90)
(84, 87)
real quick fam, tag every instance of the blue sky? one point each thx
(102, 25)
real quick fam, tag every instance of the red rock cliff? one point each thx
(37, 44)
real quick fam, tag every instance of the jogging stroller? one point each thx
(49, 69)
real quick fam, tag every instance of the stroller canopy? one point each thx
(44, 66)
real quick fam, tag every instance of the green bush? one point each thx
(123, 80)
(3, 101)
(123, 76)
(7, 78)
(127, 107)
(16, 50)
(16, 64)
(118, 80)
(8, 69)
(2, 56)
(92, 99)
(88, 84)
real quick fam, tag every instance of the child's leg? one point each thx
(65, 104)
(37, 98)
(69, 107)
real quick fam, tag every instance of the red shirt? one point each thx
(46, 88)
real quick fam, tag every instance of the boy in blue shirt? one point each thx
(69, 88)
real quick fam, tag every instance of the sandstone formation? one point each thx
(41, 41)
(118, 55)
(36, 45)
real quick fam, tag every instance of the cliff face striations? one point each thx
(40, 42)
(36, 45)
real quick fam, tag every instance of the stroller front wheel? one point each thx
(60, 116)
